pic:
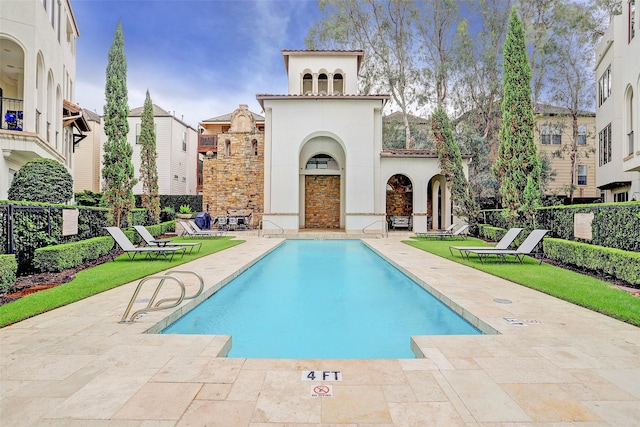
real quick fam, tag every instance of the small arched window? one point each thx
(323, 84)
(227, 147)
(338, 86)
(307, 84)
(254, 147)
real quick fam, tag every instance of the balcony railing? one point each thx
(12, 114)
(630, 142)
(207, 143)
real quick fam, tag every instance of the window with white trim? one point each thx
(582, 174)
(604, 86)
(604, 145)
(582, 135)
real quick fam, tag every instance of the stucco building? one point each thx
(39, 118)
(322, 157)
(618, 107)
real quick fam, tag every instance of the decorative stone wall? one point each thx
(322, 201)
(399, 197)
(233, 178)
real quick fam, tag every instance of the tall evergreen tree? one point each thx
(148, 166)
(450, 161)
(117, 172)
(517, 167)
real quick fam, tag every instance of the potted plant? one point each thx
(185, 212)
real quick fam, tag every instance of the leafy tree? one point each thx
(571, 53)
(148, 167)
(436, 25)
(385, 30)
(42, 180)
(117, 171)
(517, 166)
(450, 161)
(477, 92)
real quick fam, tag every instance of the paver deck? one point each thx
(565, 365)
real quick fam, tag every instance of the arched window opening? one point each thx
(630, 119)
(307, 84)
(254, 147)
(322, 161)
(338, 86)
(323, 84)
(227, 147)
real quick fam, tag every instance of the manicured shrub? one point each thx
(8, 268)
(491, 233)
(69, 255)
(623, 265)
(42, 180)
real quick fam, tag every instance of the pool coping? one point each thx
(77, 366)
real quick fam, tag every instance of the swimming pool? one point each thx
(328, 299)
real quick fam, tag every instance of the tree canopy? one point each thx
(517, 167)
(148, 167)
(117, 171)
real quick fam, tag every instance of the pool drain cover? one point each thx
(502, 301)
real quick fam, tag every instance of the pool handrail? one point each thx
(158, 306)
(386, 227)
(270, 222)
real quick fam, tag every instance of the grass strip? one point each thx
(576, 288)
(103, 277)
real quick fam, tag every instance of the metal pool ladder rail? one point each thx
(174, 302)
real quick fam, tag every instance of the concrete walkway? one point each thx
(551, 363)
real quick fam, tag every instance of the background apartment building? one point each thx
(39, 118)
(176, 149)
(618, 105)
(555, 141)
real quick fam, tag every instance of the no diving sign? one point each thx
(321, 391)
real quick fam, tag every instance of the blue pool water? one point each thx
(329, 299)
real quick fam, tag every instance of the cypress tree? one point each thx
(517, 167)
(148, 166)
(118, 171)
(450, 161)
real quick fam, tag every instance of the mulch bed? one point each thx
(31, 283)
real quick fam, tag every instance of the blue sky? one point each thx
(197, 58)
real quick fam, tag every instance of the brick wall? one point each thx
(322, 201)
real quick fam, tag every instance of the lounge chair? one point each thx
(526, 248)
(504, 243)
(437, 233)
(188, 230)
(131, 250)
(163, 243)
(460, 232)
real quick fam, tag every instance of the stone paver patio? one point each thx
(77, 366)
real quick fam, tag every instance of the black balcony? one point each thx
(12, 114)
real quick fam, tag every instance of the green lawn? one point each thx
(576, 288)
(101, 278)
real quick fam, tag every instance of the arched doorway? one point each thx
(399, 198)
(322, 183)
(437, 205)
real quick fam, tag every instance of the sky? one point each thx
(198, 58)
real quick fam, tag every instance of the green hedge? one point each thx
(8, 269)
(491, 233)
(69, 255)
(614, 225)
(623, 265)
